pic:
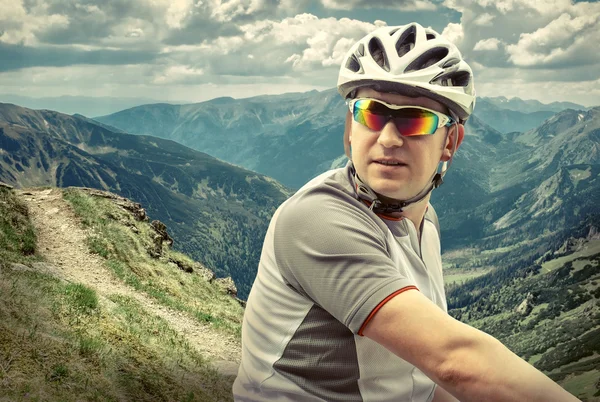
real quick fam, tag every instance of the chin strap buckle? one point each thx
(379, 208)
(375, 204)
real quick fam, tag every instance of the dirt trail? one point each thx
(61, 240)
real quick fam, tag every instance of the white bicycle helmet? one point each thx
(410, 60)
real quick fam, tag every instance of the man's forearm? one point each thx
(468, 363)
(488, 371)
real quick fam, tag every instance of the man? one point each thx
(348, 303)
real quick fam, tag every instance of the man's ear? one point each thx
(348, 134)
(455, 133)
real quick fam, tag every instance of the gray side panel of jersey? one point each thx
(326, 367)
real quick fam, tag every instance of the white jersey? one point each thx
(328, 264)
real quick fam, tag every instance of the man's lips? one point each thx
(389, 162)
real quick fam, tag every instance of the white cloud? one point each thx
(177, 11)
(508, 6)
(181, 43)
(405, 5)
(20, 27)
(134, 33)
(484, 19)
(566, 40)
(454, 33)
(136, 80)
(321, 42)
(487, 44)
(177, 74)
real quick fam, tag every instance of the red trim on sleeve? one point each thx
(376, 309)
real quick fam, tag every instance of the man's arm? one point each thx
(468, 363)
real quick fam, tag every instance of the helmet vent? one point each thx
(430, 36)
(361, 50)
(393, 31)
(460, 78)
(352, 64)
(451, 62)
(378, 54)
(455, 78)
(406, 41)
(429, 58)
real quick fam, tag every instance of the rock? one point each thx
(196, 267)
(20, 267)
(4, 185)
(155, 250)
(227, 285)
(526, 305)
(161, 237)
(182, 265)
(161, 229)
(593, 234)
(206, 273)
(46, 268)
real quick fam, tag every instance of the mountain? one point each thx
(84, 105)
(217, 212)
(570, 137)
(530, 105)
(294, 137)
(537, 182)
(267, 134)
(544, 307)
(508, 120)
(290, 137)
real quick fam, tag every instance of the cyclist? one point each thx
(348, 303)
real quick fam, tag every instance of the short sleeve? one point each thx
(330, 249)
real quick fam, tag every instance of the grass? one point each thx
(584, 385)
(592, 248)
(17, 237)
(534, 312)
(126, 255)
(461, 277)
(61, 341)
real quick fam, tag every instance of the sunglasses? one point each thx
(411, 121)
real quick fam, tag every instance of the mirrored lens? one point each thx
(411, 121)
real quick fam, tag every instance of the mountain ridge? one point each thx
(198, 196)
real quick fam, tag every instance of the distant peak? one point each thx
(222, 99)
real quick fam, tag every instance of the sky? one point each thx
(195, 50)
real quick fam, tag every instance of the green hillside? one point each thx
(64, 341)
(218, 213)
(544, 305)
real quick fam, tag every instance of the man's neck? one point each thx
(415, 212)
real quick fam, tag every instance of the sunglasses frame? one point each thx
(443, 119)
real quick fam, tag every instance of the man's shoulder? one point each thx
(326, 198)
(328, 186)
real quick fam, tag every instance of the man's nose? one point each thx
(389, 136)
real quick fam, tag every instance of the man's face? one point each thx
(418, 155)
